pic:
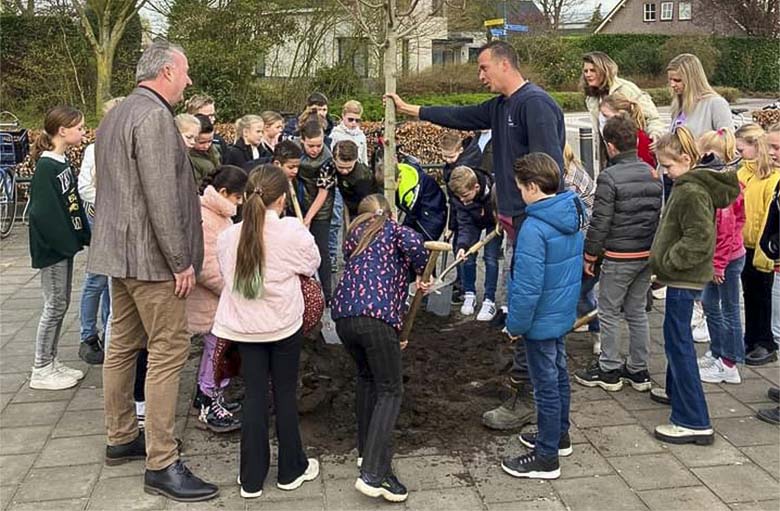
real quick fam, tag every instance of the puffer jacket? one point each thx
(758, 197)
(685, 243)
(202, 302)
(626, 210)
(547, 270)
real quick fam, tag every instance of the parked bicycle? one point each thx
(14, 146)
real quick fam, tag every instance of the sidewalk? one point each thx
(52, 443)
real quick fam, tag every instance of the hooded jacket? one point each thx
(684, 245)
(204, 163)
(356, 135)
(758, 197)
(471, 219)
(547, 269)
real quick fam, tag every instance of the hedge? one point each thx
(568, 101)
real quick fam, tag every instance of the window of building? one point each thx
(444, 54)
(667, 11)
(649, 12)
(353, 51)
(684, 11)
(473, 55)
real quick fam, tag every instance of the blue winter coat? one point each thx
(547, 270)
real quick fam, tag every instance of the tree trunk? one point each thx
(104, 61)
(390, 66)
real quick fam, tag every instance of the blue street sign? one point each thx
(497, 32)
(516, 28)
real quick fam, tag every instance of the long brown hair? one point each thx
(374, 211)
(265, 185)
(62, 116)
(619, 103)
(605, 67)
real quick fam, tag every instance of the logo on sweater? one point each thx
(510, 122)
(66, 179)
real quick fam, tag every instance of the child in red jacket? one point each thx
(615, 104)
(721, 296)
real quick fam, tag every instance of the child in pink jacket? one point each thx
(222, 191)
(261, 309)
(721, 296)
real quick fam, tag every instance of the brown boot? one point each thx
(514, 413)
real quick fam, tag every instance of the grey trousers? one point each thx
(624, 284)
(56, 284)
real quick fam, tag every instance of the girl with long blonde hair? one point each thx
(695, 104)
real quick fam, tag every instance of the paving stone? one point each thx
(724, 405)
(649, 419)
(623, 440)
(580, 393)
(201, 441)
(126, 493)
(16, 364)
(216, 468)
(5, 399)
(6, 493)
(86, 398)
(739, 483)
(495, 485)
(594, 493)
(682, 499)
(437, 500)
(78, 450)
(529, 505)
(313, 504)
(772, 374)
(584, 462)
(28, 395)
(85, 422)
(343, 497)
(131, 468)
(309, 489)
(719, 453)
(333, 467)
(50, 505)
(765, 505)
(229, 499)
(56, 483)
(601, 413)
(431, 472)
(766, 458)
(749, 391)
(11, 382)
(14, 468)
(32, 414)
(653, 471)
(632, 400)
(744, 431)
(23, 440)
(18, 349)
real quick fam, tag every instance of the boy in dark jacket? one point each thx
(543, 292)
(355, 180)
(470, 200)
(288, 155)
(682, 259)
(625, 216)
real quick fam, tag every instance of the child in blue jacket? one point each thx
(543, 292)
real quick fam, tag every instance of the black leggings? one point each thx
(757, 294)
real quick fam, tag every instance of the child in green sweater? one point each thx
(58, 230)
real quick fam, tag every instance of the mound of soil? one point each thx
(452, 375)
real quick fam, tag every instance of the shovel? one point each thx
(433, 247)
(439, 284)
(328, 329)
(440, 302)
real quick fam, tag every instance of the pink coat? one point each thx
(729, 244)
(278, 313)
(216, 211)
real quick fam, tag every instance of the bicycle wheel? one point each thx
(7, 202)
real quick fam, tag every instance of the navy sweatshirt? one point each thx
(527, 121)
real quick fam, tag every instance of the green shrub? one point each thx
(749, 64)
(702, 47)
(554, 59)
(458, 78)
(639, 58)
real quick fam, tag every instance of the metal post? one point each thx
(586, 149)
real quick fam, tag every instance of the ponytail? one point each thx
(265, 185)
(373, 211)
(58, 117)
(678, 143)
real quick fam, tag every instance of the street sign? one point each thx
(516, 28)
(494, 22)
(498, 32)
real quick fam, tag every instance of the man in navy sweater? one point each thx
(523, 119)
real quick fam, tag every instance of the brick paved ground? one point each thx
(52, 443)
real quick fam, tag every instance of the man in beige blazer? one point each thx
(147, 237)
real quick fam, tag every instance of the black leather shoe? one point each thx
(760, 356)
(119, 454)
(774, 394)
(177, 483)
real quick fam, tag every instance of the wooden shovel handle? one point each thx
(294, 199)
(434, 247)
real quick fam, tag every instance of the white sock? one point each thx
(140, 408)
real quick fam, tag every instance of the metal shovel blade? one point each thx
(440, 300)
(329, 329)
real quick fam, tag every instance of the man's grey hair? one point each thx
(154, 58)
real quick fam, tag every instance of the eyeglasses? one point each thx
(352, 119)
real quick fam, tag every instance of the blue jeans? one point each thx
(721, 306)
(552, 393)
(94, 295)
(588, 301)
(683, 386)
(335, 226)
(490, 255)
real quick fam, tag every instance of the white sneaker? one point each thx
(596, 337)
(706, 360)
(718, 372)
(659, 294)
(48, 378)
(700, 332)
(469, 302)
(311, 473)
(73, 373)
(488, 310)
